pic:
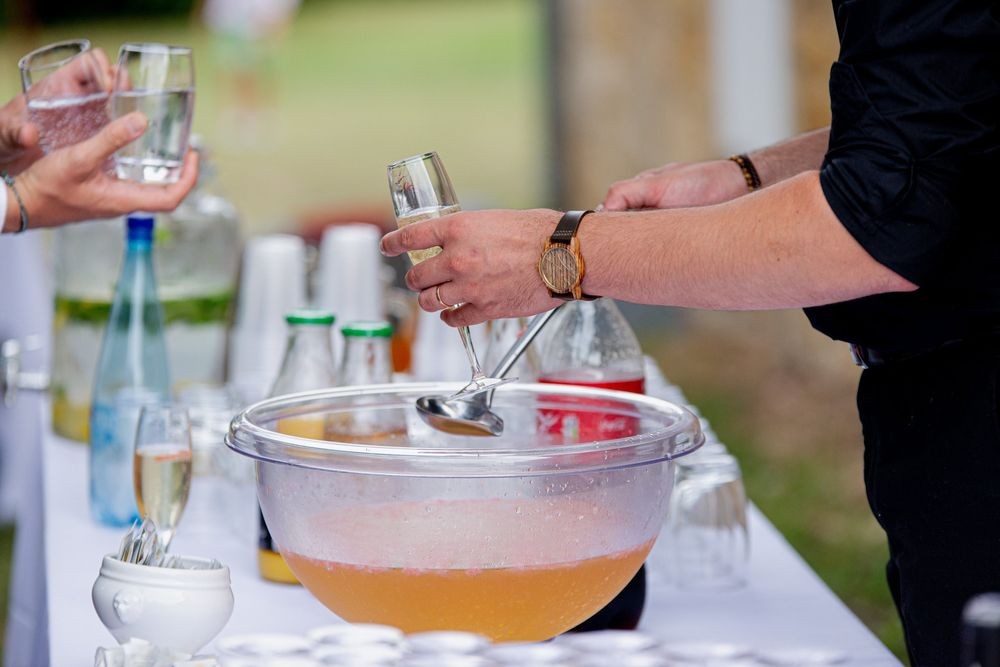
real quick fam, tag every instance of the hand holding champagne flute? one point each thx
(421, 190)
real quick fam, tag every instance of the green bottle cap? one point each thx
(379, 329)
(310, 316)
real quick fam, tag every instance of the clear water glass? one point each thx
(66, 87)
(158, 80)
(706, 532)
(162, 466)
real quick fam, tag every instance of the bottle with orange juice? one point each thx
(308, 364)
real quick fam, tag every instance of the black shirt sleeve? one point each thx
(915, 104)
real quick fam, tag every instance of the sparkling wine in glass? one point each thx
(162, 466)
(66, 87)
(158, 80)
(421, 190)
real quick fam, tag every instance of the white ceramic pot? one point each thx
(176, 608)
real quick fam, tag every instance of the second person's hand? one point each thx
(72, 184)
(678, 185)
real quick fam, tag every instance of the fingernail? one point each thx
(381, 246)
(136, 122)
(598, 208)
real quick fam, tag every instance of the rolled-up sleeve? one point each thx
(911, 118)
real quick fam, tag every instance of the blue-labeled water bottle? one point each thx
(132, 371)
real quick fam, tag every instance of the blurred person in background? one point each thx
(247, 33)
(875, 226)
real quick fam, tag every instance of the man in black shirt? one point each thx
(881, 226)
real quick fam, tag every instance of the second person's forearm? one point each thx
(785, 159)
(779, 248)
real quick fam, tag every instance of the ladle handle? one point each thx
(515, 352)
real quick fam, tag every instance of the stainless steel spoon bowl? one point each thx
(464, 414)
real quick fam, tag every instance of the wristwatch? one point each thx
(561, 265)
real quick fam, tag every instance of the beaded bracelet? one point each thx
(9, 180)
(749, 171)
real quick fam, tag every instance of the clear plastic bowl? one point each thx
(519, 537)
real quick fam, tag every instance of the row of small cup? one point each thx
(382, 646)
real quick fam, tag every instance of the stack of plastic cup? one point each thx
(349, 276)
(438, 355)
(272, 282)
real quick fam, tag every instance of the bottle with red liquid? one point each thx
(590, 344)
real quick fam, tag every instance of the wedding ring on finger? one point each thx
(437, 295)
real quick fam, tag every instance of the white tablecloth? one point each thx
(784, 604)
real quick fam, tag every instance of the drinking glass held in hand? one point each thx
(66, 87)
(421, 190)
(162, 467)
(157, 80)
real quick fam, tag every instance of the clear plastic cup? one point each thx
(350, 273)
(707, 539)
(272, 283)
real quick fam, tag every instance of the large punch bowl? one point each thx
(518, 537)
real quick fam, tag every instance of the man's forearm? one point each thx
(778, 248)
(791, 157)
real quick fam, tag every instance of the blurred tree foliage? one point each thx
(47, 12)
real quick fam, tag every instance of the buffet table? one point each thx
(784, 604)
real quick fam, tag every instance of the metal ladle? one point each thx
(471, 415)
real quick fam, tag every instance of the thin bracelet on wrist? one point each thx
(9, 180)
(750, 174)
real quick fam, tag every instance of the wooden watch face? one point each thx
(559, 269)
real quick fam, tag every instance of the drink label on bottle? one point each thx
(597, 418)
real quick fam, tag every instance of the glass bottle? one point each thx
(367, 353)
(590, 344)
(196, 258)
(367, 360)
(132, 371)
(981, 631)
(501, 335)
(308, 364)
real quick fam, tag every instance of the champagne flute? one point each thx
(162, 467)
(66, 87)
(421, 190)
(158, 80)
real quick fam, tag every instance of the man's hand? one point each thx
(678, 185)
(488, 263)
(72, 183)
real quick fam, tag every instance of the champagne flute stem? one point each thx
(470, 351)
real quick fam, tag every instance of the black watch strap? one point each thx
(568, 224)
